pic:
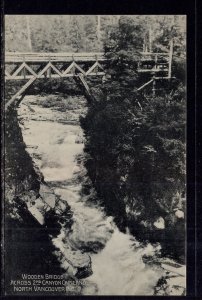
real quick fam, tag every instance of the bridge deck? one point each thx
(14, 57)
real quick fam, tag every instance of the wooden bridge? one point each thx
(32, 66)
(46, 65)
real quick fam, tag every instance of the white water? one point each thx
(118, 269)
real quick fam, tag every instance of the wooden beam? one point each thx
(68, 69)
(25, 87)
(92, 68)
(55, 69)
(8, 75)
(11, 57)
(154, 87)
(96, 64)
(34, 57)
(18, 70)
(146, 84)
(30, 70)
(170, 59)
(84, 83)
(44, 70)
(79, 68)
(19, 93)
(152, 70)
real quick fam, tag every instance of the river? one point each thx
(55, 141)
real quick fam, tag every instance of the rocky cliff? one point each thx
(34, 217)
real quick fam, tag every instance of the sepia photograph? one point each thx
(95, 155)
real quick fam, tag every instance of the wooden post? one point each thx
(144, 85)
(154, 87)
(171, 50)
(20, 92)
(144, 43)
(49, 72)
(73, 68)
(150, 39)
(156, 60)
(24, 70)
(96, 68)
(170, 59)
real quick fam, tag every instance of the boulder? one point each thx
(79, 263)
(36, 214)
(159, 223)
(171, 286)
(75, 262)
(62, 206)
(177, 270)
(76, 169)
(76, 258)
(47, 195)
(179, 281)
(173, 282)
(179, 214)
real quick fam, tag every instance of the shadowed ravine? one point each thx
(54, 140)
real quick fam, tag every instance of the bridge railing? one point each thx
(14, 57)
(11, 57)
(26, 65)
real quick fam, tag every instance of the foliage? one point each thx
(136, 144)
(80, 33)
(51, 33)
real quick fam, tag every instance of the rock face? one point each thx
(173, 282)
(51, 211)
(34, 217)
(76, 263)
(41, 204)
(36, 214)
(173, 279)
(48, 196)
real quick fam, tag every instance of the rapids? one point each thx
(55, 144)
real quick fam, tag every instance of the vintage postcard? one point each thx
(95, 155)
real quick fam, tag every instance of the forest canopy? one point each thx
(80, 33)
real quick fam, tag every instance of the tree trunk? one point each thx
(98, 29)
(150, 39)
(28, 33)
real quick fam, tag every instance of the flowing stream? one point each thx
(54, 139)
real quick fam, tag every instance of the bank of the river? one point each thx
(120, 264)
(33, 216)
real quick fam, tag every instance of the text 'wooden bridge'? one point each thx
(32, 66)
